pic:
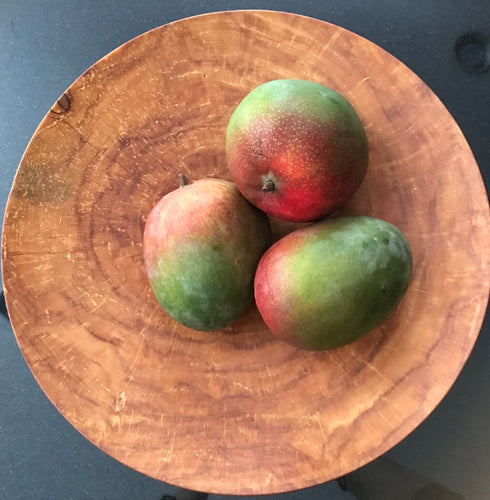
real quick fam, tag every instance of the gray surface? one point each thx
(44, 47)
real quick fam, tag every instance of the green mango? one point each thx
(330, 283)
(201, 246)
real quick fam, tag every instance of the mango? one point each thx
(201, 246)
(296, 149)
(329, 283)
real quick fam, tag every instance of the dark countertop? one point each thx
(47, 44)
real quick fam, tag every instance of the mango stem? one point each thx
(269, 185)
(183, 181)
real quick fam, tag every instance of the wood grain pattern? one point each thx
(234, 412)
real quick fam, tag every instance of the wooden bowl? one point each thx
(236, 411)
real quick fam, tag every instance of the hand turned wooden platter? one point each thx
(235, 411)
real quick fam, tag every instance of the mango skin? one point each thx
(201, 245)
(330, 283)
(303, 138)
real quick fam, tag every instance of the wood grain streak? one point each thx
(235, 411)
